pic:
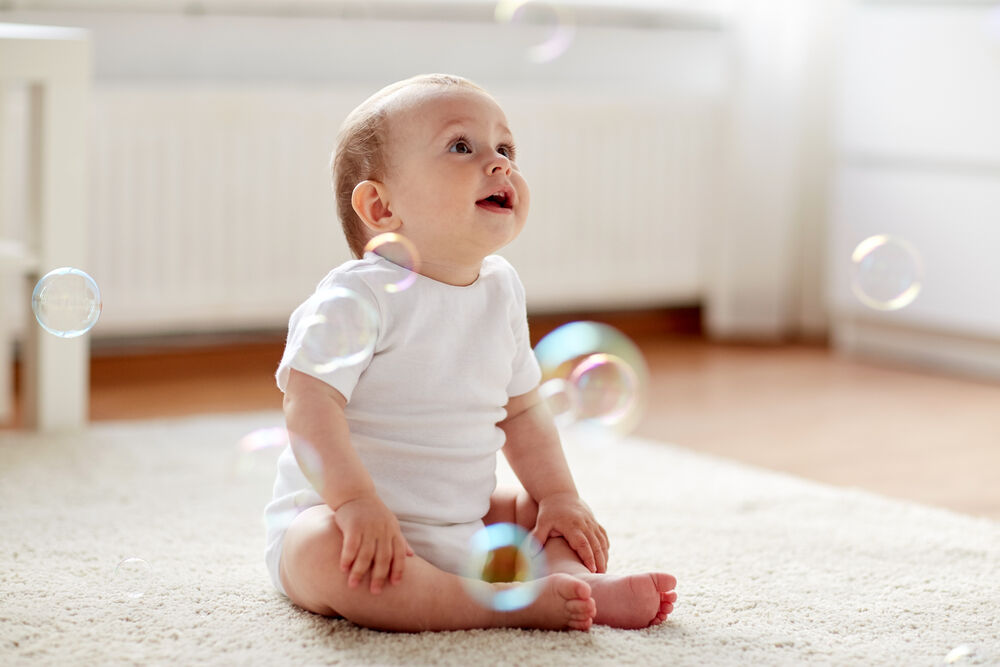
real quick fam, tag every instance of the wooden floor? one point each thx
(794, 408)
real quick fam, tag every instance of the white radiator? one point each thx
(211, 209)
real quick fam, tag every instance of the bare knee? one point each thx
(309, 556)
(512, 505)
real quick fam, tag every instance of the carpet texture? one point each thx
(771, 569)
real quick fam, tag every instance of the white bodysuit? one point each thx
(423, 407)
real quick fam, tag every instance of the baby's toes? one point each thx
(581, 614)
(581, 608)
(666, 607)
(664, 582)
(659, 618)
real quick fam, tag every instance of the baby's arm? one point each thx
(536, 457)
(314, 414)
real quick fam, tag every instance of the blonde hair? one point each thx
(360, 153)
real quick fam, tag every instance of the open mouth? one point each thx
(497, 201)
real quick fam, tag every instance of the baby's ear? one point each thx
(370, 202)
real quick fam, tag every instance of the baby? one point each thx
(406, 439)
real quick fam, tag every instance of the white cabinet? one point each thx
(922, 83)
(918, 156)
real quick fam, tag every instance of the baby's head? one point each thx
(424, 157)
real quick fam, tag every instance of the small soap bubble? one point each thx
(400, 251)
(602, 374)
(557, 19)
(504, 552)
(886, 272)
(66, 302)
(604, 388)
(341, 331)
(132, 578)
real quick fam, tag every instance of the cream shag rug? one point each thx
(771, 569)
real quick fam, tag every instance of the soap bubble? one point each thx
(66, 302)
(132, 578)
(340, 331)
(400, 251)
(602, 374)
(603, 388)
(504, 552)
(525, 12)
(886, 272)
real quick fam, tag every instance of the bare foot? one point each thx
(563, 604)
(632, 601)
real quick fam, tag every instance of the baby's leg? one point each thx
(623, 601)
(425, 599)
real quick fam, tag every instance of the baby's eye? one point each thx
(460, 146)
(506, 151)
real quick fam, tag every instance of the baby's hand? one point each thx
(564, 514)
(372, 541)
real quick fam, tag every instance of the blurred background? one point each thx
(702, 174)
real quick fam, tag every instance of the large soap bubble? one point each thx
(593, 375)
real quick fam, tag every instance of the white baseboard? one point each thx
(937, 350)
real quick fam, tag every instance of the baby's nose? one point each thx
(501, 164)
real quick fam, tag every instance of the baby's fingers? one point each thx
(603, 536)
(400, 551)
(600, 553)
(581, 545)
(380, 566)
(352, 543)
(541, 534)
(362, 563)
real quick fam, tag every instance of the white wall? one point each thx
(172, 45)
(918, 156)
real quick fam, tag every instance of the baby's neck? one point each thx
(459, 275)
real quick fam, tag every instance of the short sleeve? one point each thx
(331, 336)
(526, 372)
